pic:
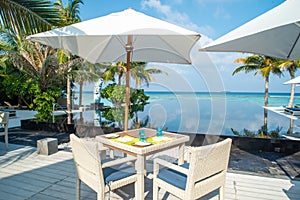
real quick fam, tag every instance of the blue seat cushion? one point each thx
(1, 129)
(293, 109)
(117, 172)
(174, 177)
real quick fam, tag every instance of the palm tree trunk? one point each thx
(69, 100)
(68, 94)
(292, 74)
(80, 93)
(266, 99)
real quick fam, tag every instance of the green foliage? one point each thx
(138, 100)
(235, 132)
(43, 103)
(114, 114)
(28, 17)
(117, 95)
(275, 133)
(262, 132)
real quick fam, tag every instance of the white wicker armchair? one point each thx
(102, 178)
(205, 173)
(4, 118)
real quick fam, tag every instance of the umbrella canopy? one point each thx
(275, 33)
(293, 81)
(127, 36)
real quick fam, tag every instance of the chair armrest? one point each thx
(188, 151)
(158, 161)
(118, 161)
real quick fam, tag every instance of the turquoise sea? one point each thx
(211, 113)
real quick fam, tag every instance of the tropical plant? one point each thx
(68, 63)
(113, 70)
(138, 72)
(291, 67)
(43, 104)
(68, 15)
(263, 65)
(116, 94)
(23, 17)
(18, 85)
(35, 62)
(86, 72)
(138, 101)
(19, 18)
(259, 133)
(142, 75)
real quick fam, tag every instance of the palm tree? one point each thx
(24, 17)
(263, 65)
(140, 74)
(112, 70)
(291, 67)
(86, 72)
(69, 15)
(34, 59)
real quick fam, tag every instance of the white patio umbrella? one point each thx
(275, 33)
(127, 36)
(293, 81)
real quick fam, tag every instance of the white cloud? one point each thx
(204, 2)
(220, 13)
(173, 16)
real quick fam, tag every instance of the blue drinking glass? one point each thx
(142, 136)
(159, 132)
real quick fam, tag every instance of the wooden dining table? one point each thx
(128, 143)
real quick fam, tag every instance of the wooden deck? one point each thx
(27, 175)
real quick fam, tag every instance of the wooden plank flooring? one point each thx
(27, 175)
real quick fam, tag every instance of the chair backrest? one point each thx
(88, 163)
(4, 117)
(206, 161)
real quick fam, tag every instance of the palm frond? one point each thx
(25, 17)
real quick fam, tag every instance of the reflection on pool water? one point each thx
(215, 113)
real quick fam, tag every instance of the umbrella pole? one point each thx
(129, 49)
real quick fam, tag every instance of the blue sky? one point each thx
(210, 18)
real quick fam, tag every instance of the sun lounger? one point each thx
(60, 105)
(12, 113)
(292, 111)
(297, 105)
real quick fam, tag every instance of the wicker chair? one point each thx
(101, 177)
(4, 118)
(205, 173)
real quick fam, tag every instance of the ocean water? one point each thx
(210, 113)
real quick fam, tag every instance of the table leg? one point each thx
(140, 184)
(181, 154)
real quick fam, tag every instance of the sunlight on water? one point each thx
(214, 113)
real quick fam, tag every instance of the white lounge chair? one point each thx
(101, 177)
(292, 111)
(4, 118)
(205, 173)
